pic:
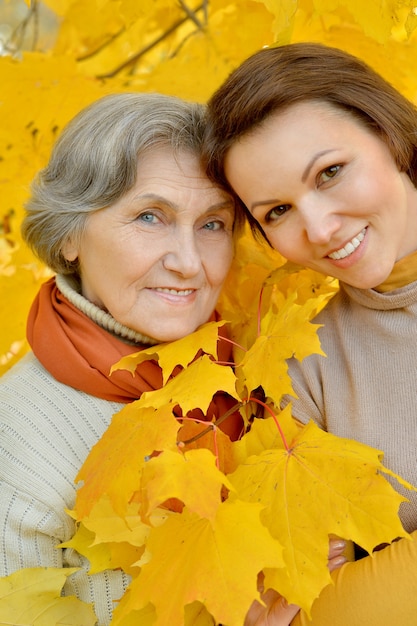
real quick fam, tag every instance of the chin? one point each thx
(372, 283)
(168, 337)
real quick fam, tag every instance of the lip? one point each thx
(349, 248)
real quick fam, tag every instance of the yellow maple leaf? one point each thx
(114, 465)
(182, 476)
(180, 352)
(286, 331)
(265, 434)
(108, 527)
(32, 597)
(224, 557)
(376, 18)
(99, 556)
(253, 261)
(284, 12)
(186, 389)
(323, 484)
(115, 554)
(221, 43)
(195, 614)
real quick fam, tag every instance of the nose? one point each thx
(183, 256)
(320, 221)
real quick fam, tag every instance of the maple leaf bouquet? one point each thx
(193, 517)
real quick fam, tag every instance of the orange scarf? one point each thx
(79, 353)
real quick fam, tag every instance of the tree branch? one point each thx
(151, 45)
(191, 14)
(15, 42)
(101, 47)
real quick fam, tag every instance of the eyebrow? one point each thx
(312, 161)
(262, 202)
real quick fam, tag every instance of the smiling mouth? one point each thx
(175, 292)
(349, 248)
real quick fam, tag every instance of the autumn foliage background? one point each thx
(94, 47)
(56, 61)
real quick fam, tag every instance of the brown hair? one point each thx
(273, 79)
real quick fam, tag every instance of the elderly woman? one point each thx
(322, 154)
(141, 242)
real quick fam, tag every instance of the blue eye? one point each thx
(213, 226)
(148, 218)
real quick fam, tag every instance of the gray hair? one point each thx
(94, 163)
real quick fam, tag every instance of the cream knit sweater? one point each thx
(366, 387)
(47, 430)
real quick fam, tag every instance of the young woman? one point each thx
(322, 154)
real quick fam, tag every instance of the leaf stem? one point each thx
(233, 343)
(278, 425)
(211, 425)
(259, 309)
(230, 363)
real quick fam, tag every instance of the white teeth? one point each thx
(176, 292)
(349, 247)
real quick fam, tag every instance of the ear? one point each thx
(70, 251)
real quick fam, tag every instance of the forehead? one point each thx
(306, 114)
(164, 164)
(302, 127)
(175, 178)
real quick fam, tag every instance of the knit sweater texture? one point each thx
(366, 387)
(47, 430)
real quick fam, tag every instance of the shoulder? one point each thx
(29, 392)
(46, 428)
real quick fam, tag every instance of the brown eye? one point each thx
(276, 212)
(329, 173)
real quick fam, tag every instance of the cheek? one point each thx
(218, 265)
(287, 241)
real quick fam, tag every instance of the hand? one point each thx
(277, 611)
(336, 557)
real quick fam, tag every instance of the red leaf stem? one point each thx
(259, 310)
(234, 343)
(278, 425)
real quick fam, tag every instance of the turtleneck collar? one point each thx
(70, 288)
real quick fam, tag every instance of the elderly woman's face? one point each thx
(156, 259)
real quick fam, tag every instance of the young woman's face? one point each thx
(157, 258)
(327, 193)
